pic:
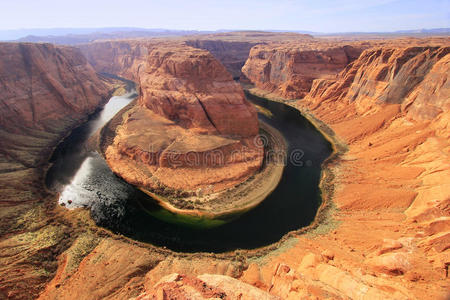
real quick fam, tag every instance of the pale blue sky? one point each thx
(318, 15)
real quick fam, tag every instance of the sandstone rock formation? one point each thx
(289, 69)
(192, 127)
(388, 76)
(121, 58)
(45, 91)
(391, 107)
(385, 236)
(206, 286)
(232, 54)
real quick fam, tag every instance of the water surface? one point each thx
(85, 179)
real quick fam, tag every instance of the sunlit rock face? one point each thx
(414, 77)
(202, 287)
(45, 91)
(391, 107)
(191, 128)
(288, 69)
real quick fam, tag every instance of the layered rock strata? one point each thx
(288, 70)
(390, 109)
(45, 91)
(122, 58)
(205, 286)
(368, 247)
(192, 129)
(232, 54)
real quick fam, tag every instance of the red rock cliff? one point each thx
(414, 76)
(388, 239)
(189, 110)
(121, 58)
(45, 91)
(232, 54)
(190, 86)
(392, 108)
(288, 70)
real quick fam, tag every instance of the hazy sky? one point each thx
(313, 15)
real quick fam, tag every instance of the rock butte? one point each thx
(389, 108)
(191, 133)
(192, 127)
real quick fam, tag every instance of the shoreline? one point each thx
(267, 178)
(47, 164)
(324, 211)
(326, 184)
(270, 174)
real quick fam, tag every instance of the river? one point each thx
(83, 179)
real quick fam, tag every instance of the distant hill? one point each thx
(427, 31)
(413, 32)
(72, 36)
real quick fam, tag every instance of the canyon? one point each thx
(191, 132)
(46, 91)
(382, 230)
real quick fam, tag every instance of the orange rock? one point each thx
(253, 276)
(288, 70)
(328, 254)
(389, 245)
(189, 86)
(391, 263)
(395, 188)
(122, 58)
(192, 129)
(310, 260)
(45, 92)
(206, 286)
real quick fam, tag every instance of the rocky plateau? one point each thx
(383, 232)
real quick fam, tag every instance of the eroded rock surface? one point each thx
(387, 239)
(122, 58)
(391, 107)
(192, 127)
(288, 70)
(205, 286)
(232, 54)
(45, 91)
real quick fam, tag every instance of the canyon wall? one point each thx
(122, 58)
(45, 91)
(232, 54)
(192, 87)
(385, 231)
(388, 112)
(288, 69)
(195, 112)
(410, 76)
